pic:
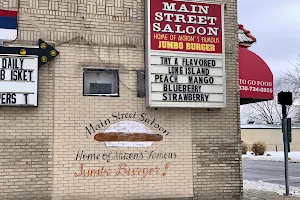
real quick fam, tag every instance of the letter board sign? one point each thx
(185, 54)
(18, 80)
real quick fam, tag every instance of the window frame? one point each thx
(102, 70)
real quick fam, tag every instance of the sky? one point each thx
(276, 26)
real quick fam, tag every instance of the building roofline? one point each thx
(247, 32)
(266, 126)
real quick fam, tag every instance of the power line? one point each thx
(91, 48)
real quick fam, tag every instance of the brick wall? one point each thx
(216, 133)
(26, 146)
(40, 145)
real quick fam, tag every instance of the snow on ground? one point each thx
(270, 187)
(274, 156)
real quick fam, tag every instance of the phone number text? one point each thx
(255, 89)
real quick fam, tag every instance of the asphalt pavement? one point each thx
(271, 172)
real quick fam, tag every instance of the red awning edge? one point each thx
(255, 78)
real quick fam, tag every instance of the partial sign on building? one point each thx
(19, 73)
(18, 80)
(8, 25)
(185, 57)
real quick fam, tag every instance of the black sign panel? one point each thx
(285, 98)
(100, 88)
(140, 83)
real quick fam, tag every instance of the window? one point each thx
(100, 82)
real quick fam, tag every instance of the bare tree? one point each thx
(269, 112)
(266, 112)
(296, 117)
(292, 78)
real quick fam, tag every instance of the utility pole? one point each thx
(284, 99)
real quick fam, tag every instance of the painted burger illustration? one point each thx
(128, 134)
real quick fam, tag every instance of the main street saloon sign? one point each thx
(185, 57)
